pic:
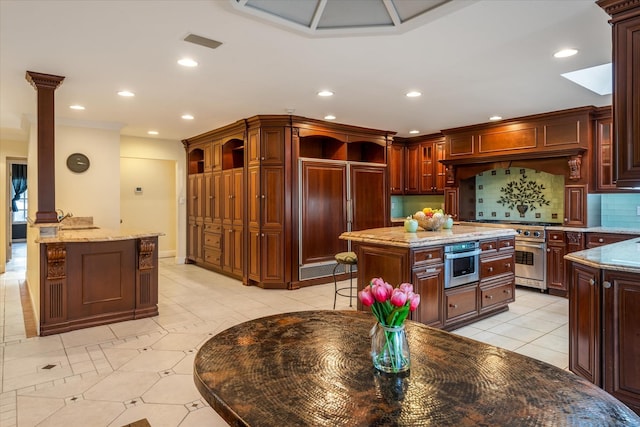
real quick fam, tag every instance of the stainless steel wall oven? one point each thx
(461, 261)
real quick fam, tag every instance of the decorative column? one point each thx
(45, 85)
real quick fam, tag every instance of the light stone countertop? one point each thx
(396, 236)
(96, 235)
(611, 230)
(622, 256)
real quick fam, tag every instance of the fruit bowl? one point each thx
(434, 223)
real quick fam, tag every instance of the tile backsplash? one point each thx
(403, 206)
(499, 191)
(620, 210)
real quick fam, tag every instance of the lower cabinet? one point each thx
(429, 282)
(461, 303)
(604, 342)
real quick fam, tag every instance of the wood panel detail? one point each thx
(145, 254)
(510, 139)
(56, 261)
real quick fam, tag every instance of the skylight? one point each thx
(597, 79)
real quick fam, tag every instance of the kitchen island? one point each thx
(419, 258)
(92, 276)
(604, 318)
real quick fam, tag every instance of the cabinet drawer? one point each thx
(489, 245)
(427, 256)
(494, 266)
(213, 257)
(497, 294)
(506, 244)
(460, 302)
(555, 236)
(213, 240)
(213, 228)
(599, 239)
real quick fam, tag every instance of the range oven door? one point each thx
(530, 265)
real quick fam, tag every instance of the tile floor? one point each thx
(114, 375)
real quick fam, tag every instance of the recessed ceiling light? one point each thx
(153, 132)
(414, 131)
(187, 116)
(325, 93)
(329, 117)
(126, 93)
(413, 94)
(76, 107)
(495, 118)
(187, 62)
(564, 53)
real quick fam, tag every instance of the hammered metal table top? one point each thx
(313, 368)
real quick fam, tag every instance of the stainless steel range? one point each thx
(531, 259)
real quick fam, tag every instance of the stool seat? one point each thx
(346, 258)
(350, 259)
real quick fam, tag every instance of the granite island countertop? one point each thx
(396, 236)
(621, 256)
(96, 234)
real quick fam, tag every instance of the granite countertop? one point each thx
(612, 230)
(396, 236)
(95, 234)
(622, 256)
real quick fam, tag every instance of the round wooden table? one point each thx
(313, 368)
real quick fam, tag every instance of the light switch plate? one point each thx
(638, 210)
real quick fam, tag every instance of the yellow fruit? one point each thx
(427, 210)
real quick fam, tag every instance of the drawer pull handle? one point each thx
(600, 240)
(592, 282)
(490, 246)
(555, 237)
(507, 291)
(430, 256)
(489, 296)
(490, 269)
(508, 265)
(453, 305)
(606, 285)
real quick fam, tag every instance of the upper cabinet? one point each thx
(415, 167)
(625, 20)
(396, 168)
(603, 152)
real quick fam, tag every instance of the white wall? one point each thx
(173, 151)
(95, 192)
(154, 207)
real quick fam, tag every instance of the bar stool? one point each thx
(350, 259)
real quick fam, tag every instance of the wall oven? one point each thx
(461, 263)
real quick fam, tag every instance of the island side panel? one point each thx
(147, 278)
(388, 262)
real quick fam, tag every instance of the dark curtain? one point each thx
(19, 181)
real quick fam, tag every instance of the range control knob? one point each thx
(526, 233)
(519, 231)
(536, 234)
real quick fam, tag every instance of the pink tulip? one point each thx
(377, 281)
(379, 293)
(414, 302)
(366, 297)
(407, 287)
(398, 298)
(389, 289)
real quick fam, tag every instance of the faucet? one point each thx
(62, 216)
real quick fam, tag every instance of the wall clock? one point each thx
(78, 162)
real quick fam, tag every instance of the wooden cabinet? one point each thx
(412, 169)
(212, 244)
(432, 172)
(461, 304)
(621, 320)
(211, 196)
(556, 250)
(625, 20)
(396, 168)
(497, 273)
(451, 202)
(604, 314)
(584, 323)
(196, 204)
(368, 201)
(428, 281)
(604, 152)
(575, 205)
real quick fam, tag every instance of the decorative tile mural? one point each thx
(519, 194)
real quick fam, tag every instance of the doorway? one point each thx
(18, 203)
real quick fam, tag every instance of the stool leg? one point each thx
(335, 286)
(350, 285)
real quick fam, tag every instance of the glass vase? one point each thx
(390, 348)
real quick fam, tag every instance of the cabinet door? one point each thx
(555, 267)
(396, 169)
(272, 249)
(236, 259)
(461, 303)
(216, 193)
(254, 254)
(575, 205)
(253, 146)
(368, 197)
(427, 177)
(272, 145)
(238, 192)
(194, 241)
(196, 196)
(621, 319)
(254, 200)
(227, 195)
(585, 323)
(429, 283)
(439, 169)
(412, 169)
(604, 167)
(272, 196)
(451, 202)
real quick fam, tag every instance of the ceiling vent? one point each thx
(202, 41)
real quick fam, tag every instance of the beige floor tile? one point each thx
(498, 340)
(153, 361)
(119, 356)
(72, 386)
(84, 413)
(562, 331)
(122, 386)
(553, 342)
(533, 322)
(179, 342)
(552, 357)
(157, 415)
(89, 336)
(173, 389)
(33, 410)
(516, 332)
(203, 417)
(467, 331)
